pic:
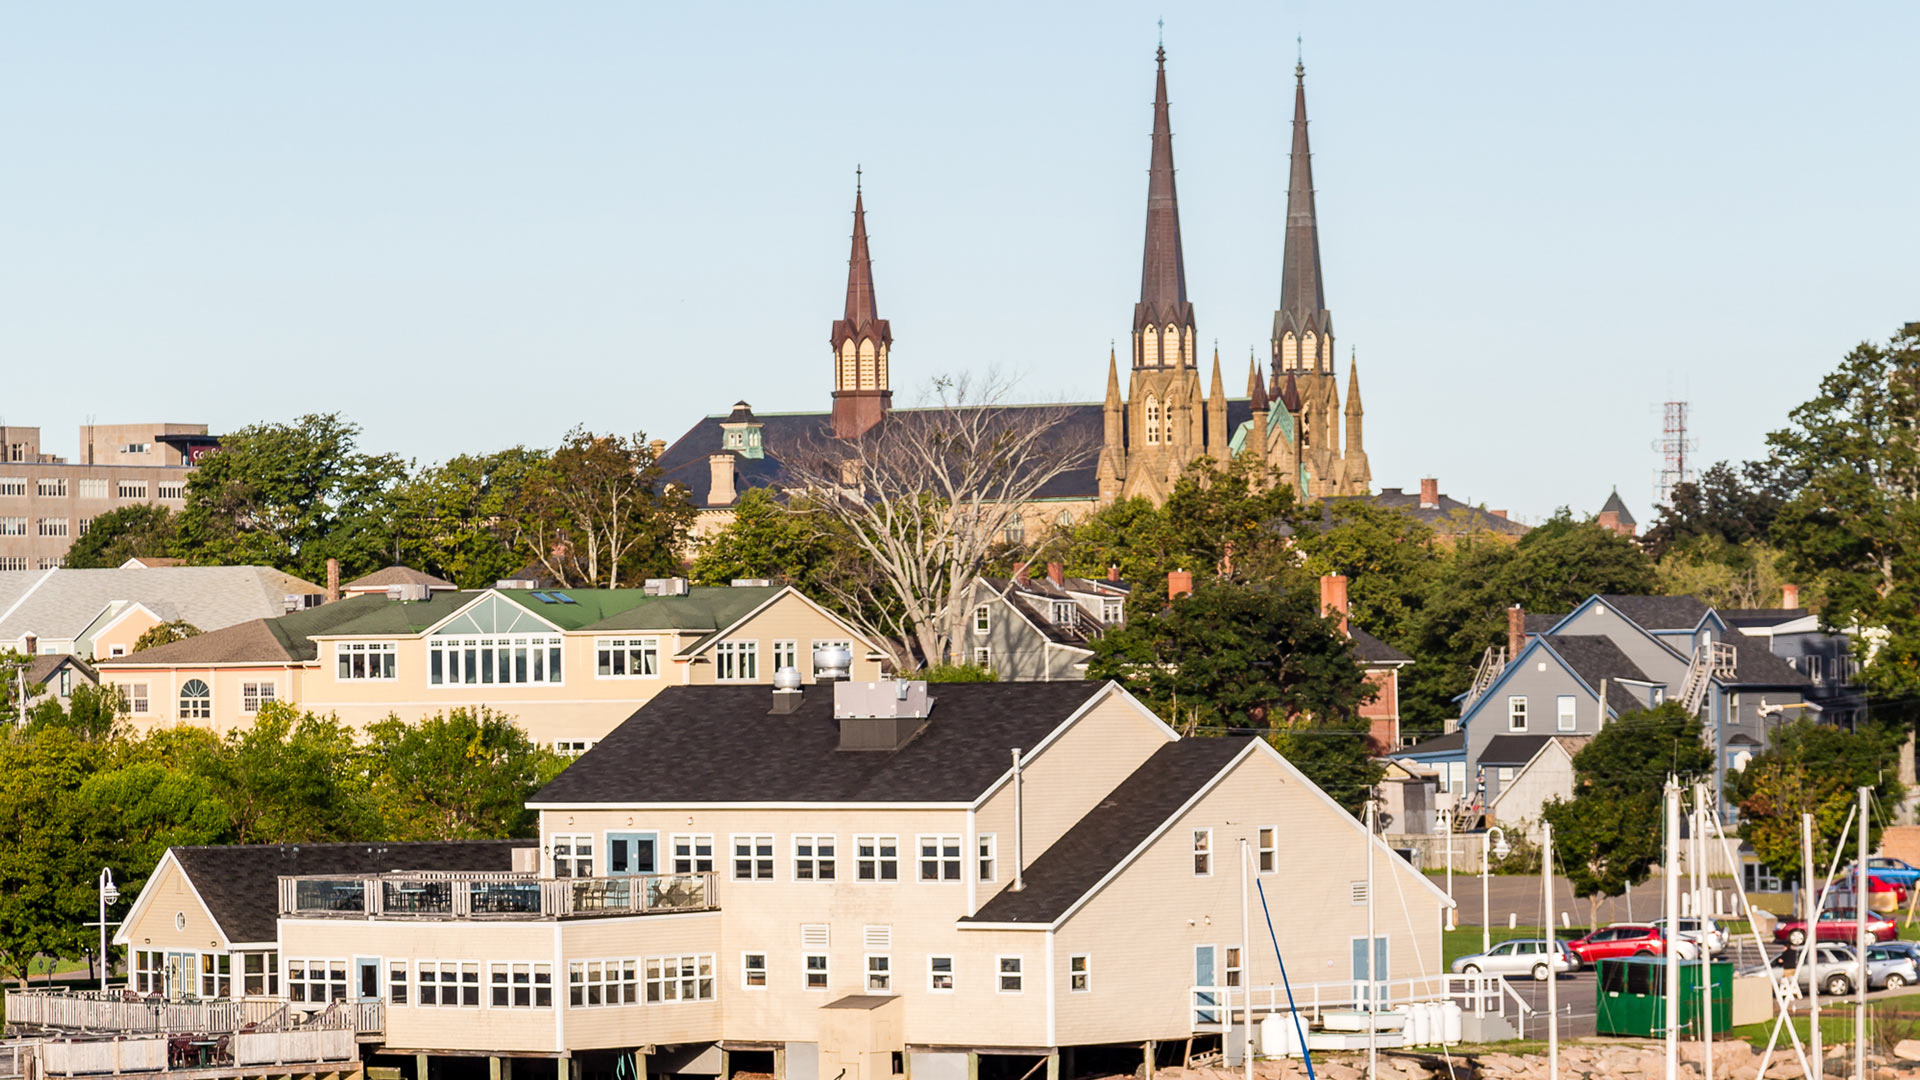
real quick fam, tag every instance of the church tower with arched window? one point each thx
(861, 340)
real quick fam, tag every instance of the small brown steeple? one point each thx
(861, 340)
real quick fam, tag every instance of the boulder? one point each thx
(1907, 1049)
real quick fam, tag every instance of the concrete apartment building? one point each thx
(844, 881)
(46, 501)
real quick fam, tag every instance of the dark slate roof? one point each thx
(1451, 516)
(1745, 617)
(685, 462)
(1112, 830)
(1660, 612)
(42, 667)
(1540, 624)
(1451, 743)
(1373, 650)
(1593, 658)
(1615, 504)
(1512, 749)
(667, 750)
(240, 882)
(1755, 664)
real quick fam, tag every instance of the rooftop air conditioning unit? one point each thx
(668, 586)
(752, 583)
(514, 583)
(408, 592)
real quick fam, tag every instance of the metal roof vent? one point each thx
(409, 592)
(832, 663)
(786, 691)
(880, 715)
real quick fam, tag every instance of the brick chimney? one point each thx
(1516, 631)
(1057, 573)
(656, 448)
(1501, 514)
(1179, 583)
(721, 492)
(1789, 596)
(1333, 598)
(1113, 571)
(333, 580)
(1430, 493)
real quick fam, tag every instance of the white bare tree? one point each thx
(928, 494)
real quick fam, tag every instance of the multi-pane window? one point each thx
(13, 562)
(1516, 714)
(1012, 977)
(753, 858)
(876, 858)
(52, 489)
(940, 973)
(92, 487)
(939, 858)
(679, 978)
(693, 854)
(196, 700)
(880, 974)
(449, 983)
(816, 969)
(982, 619)
(1079, 973)
(573, 856)
(786, 654)
(736, 661)
(175, 491)
(572, 747)
(316, 982)
(982, 657)
(627, 658)
(520, 986)
(813, 857)
(13, 485)
(1564, 718)
(1233, 965)
(216, 975)
(499, 660)
(592, 983)
(753, 970)
(397, 982)
(1269, 852)
(365, 660)
(53, 526)
(260, 974)
(988, 857)
(13, 526)
(253, 695)
(149, 971)
(137, 701)
(1112, 612)
(1202, 852)
(133, 489)
(1063, 612)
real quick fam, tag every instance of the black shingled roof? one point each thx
(667, 750)
(1512, 749)
(1373, 650)
(1746, 617)
(1451, 742)
(1111, 831)
(1660, 612)
(1593, 658)
(240, 883)
(1755, 664)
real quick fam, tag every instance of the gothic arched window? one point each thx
(1153, 420)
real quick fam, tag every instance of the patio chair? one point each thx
(179, 1051)
(220, 1049)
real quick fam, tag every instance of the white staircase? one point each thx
(1715, 658)
(1492, 663)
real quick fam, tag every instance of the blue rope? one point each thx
(1305, 1054)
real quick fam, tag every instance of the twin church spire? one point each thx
(861, 340)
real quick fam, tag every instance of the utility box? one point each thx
(1632, 996)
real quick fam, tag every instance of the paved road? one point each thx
(1576, 994)
(1520, 897)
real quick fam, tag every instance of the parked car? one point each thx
(1889, 968)
(1834, 965)
(1899, 871)
(1525, 956)
(1695, 929)
(1834, 924)
(1904, 948)
(1626, 939)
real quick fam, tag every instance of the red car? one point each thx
(1623, 940)
(1835, 924)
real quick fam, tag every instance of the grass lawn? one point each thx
(1888, 1021)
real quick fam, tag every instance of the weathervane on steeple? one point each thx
(1162, 24)
(856, 178)
(1299, 56)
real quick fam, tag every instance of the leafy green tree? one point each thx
(165, 633)
(291, 496)
(1234, 657)
(145, 530)
(596, 513)
(460, 775)
(91, 712)
(936, 673)
(1608, 837)
(133, 813)
(1813, 769)
(767, 540)
(455, 518)
(46, 871)
(290, 777)
(1745, 575)
(1728, 504)
(1854, 527)
(1387, 556)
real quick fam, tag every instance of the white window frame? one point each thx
(982, 657)
(399, 983)
(747, 970)
(637, 657)
(381, 654)
(1203, 852)
(1080, 973)
(808, 970)
(1267, 847)
(982, 619)
(611, 979)
(1002, 974)
(255, 693)
(884, 972)
(138, 701)
(987, 858)
(324, 984)
(693, 858)
(202, 707)
(945, 869)
(1112, 612)
(1062, 612)
(879, 861)
(813, 862)
(736, 661)
(490, 657)
(759, 867)
(933, 974)
(785, 654)
(674, 980)
(820, 643)
(578, 860)
(1566, 716)
(1232, 961)
(502, 981)
(1517, 712)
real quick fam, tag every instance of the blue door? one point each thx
(1367, 977)
(1203, 975)
(632, 853)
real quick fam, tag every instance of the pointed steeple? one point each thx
(1163, 273)
(1303, 298)
(1290, 394)
(1113, 380)
(1353, 385)
(1254, 381)
(1259, 395)
(862, 309)
(861, 340)
(1217, 391)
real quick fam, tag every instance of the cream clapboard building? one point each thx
(834, 883)
(567, 664)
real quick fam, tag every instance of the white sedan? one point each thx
(1526, 956)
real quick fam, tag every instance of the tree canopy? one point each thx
(1812, 768)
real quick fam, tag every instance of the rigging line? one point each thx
(1778, 986)
(1299, 1031)
(1420, 961)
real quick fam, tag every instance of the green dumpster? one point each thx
(1632, 996)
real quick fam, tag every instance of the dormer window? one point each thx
(1063, 612)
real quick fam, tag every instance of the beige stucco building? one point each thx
(47, 501)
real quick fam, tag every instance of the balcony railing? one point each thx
(491, 896)
(122, 1013)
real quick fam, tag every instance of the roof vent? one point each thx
(832, 662)
(752, 583)
(880, 715)
(786, 691)
(409, 592)
(515, 583)
(666, 586)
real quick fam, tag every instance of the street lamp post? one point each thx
(1489, 849)
(108, 894)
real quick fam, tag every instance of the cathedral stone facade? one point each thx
(1164, 421)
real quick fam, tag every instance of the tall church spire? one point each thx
(1163, 273)
(1302, 327)
(861, 340)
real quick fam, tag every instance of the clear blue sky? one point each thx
(470, 225)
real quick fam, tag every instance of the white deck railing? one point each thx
(113, 1013)
(1216, 1008)
(240, 1052)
